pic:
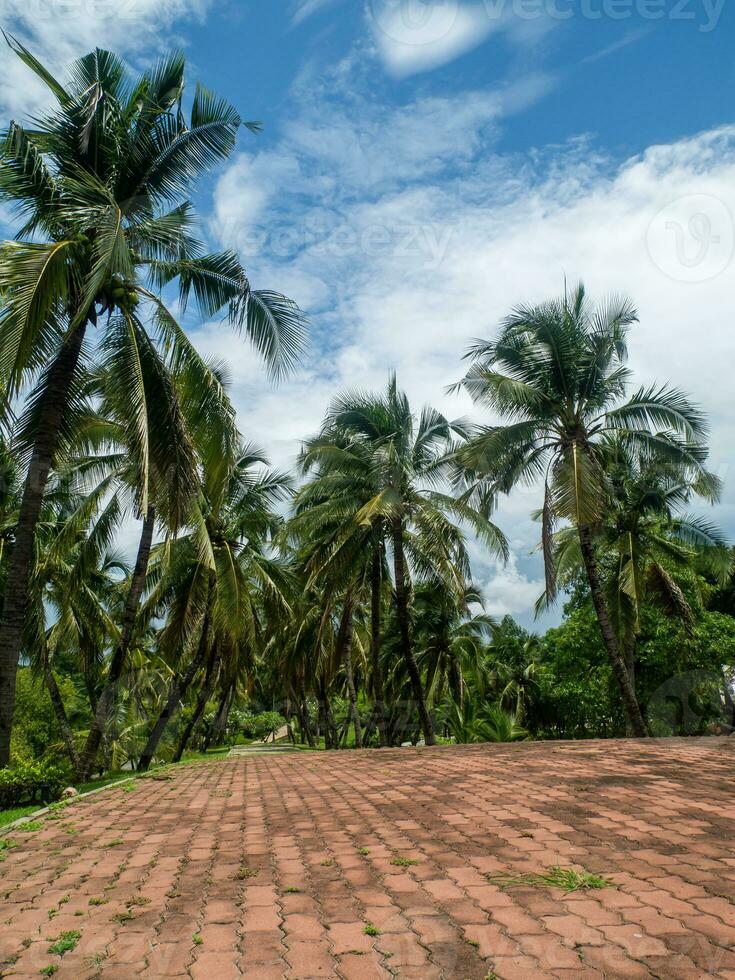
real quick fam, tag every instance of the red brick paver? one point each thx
(389, 863)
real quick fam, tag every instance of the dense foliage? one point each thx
(335, 603)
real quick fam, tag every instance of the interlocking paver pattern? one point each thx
(284, 866)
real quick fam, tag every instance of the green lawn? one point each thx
(8, 816)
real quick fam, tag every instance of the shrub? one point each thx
(262, 725)
(25, 782)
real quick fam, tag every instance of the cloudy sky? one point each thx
(427, 164)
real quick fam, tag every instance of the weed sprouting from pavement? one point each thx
(245, 873)
(30, 826)
(65, 942)
(555, 877)
(400, 862)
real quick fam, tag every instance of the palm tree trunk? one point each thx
(376, 586)
(58, 703)
(15, 599)
(90, 687)
(632, 708)
(399, 567)
(344, 641)
(177, 690)
(219, 724)
(205, 693)
(304, 720)
(629, 652)
(117, 664)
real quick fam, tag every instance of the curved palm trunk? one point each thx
(344, 639)
(177, 690)
(90, 686)
(60, 711)
(376, 585)
(117, 664)
(15, 599)
(207, 689)
(304, 719)
(629, 652)
(399, 565)
(216, 732)
(632, 708)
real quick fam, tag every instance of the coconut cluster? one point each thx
(119, 294)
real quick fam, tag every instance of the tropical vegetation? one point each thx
(334, 606)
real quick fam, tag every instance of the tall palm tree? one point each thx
(450, 638)
(407, 461)
(645, 537)
(557, 373)
(100, 184)
(152, 438)
(339, 550)
(215, 581)
(73, 578)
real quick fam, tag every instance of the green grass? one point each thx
(109, 779)
(371, 930)
(556, 877)
(30, 827)
(8, 816)
(48, 971)
(65, 942)
(404, 862)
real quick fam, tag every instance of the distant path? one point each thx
(273, 866)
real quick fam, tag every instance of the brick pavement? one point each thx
(284, 866)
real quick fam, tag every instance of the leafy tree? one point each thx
(646, 541)
(216, 581)
(397, 462)
(100, 184)
(557, 373)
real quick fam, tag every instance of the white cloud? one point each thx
(304, 9)
(508, 592)
(411, 262)
(56, 33)
(410, 41)
(417, 36)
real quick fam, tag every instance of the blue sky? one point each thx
(426, 164)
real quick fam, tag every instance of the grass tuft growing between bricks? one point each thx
(555, 877)
(65, 942)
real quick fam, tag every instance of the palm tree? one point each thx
(75, 576)
(339, 550)
(152, 438)
(557, 373)
(645, 538)
(450, 638)
(101, 185)
(216, 582)
(402, 462)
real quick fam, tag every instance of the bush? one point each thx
(262, 725)
(26, 782)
